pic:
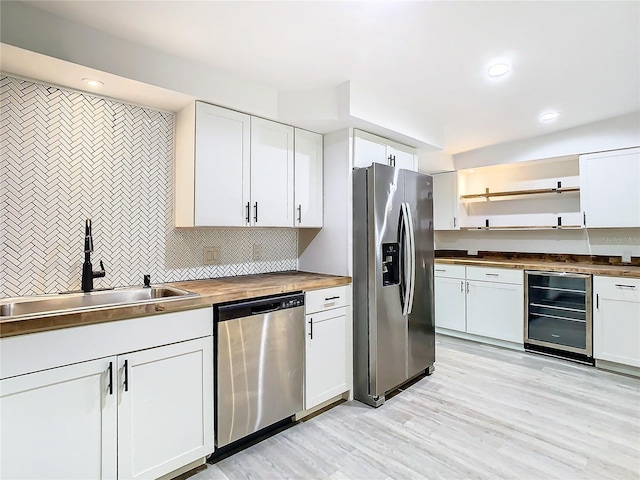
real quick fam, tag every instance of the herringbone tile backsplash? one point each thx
(67, 156)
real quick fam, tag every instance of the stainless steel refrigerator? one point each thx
(394, 332)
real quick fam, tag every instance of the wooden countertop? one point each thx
(545, 265)
(211, 291)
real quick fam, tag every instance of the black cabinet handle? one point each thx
(248, 208)
(255, 217)
(126, 375)
(597, 301)
(110, 378)
(299, 213)
(311, 329)
(621, 285)
(331, 298)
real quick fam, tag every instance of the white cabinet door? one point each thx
(326, 359)
(59, 423)
(308, 179)
(610, 189)
(165, 416)
(271, 174)
(495, 310)
(445, 201)
(616, 320)
(402, 159)
(450, 301)
(222, 161)
(367, 152)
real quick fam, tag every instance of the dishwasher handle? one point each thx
(271, 307)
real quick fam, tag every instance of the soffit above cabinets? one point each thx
(422, 63)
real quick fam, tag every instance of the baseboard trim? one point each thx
(480, 339)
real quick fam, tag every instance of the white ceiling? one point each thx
(430, 58)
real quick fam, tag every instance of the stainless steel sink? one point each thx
(43, 304)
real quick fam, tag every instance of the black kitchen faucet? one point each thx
(88, 274)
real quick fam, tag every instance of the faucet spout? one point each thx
(88, 238)
(88, 273)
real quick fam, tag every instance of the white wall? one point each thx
(610, 134)
(434, 161)
(33, 29)
(614, 242)
(330, 249)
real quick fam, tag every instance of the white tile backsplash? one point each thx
(67, 156)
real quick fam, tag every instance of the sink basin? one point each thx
(43, 304)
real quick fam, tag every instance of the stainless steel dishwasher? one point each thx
(259, 364)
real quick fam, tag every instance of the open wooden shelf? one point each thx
(512, 193)
(526, 227)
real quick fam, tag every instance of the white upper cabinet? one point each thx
(401, 158)
(271, 174)
(610, 189)
(308, 197)
(235, 170)
(369, 149)
(445, 201)
(212, 167)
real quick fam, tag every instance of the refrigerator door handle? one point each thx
(412, 260)
(402, 238)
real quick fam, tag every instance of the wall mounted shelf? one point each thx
(527, 227)
(512, 193)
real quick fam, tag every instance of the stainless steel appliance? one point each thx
(558, 314)
(259, 364)
(394, 337)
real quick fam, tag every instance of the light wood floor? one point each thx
(486, 412)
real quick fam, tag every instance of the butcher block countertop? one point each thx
(628, 271)
(211, 291)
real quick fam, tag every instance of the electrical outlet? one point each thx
(626, 256)
(257, 251)
(472, 253)
(211, 255)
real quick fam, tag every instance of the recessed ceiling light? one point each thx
(498, 70)
(549, 116)
(92, 82)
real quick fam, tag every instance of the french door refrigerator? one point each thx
(394, 332)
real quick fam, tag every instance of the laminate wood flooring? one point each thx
(486, 412)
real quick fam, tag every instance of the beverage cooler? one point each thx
(558, 315)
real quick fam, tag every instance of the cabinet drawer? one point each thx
(326, 298)
(450, 271)
(502, 275)
(617, 288)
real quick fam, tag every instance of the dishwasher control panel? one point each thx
(296, 302)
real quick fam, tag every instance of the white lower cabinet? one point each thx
(451, 303)
(480, 301)
(616, 320)
(141, 414)
(59, 423)
(495, 310)
(328, 359)
(166, 403)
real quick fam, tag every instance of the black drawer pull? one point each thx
(331, 298)
(625, 286)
